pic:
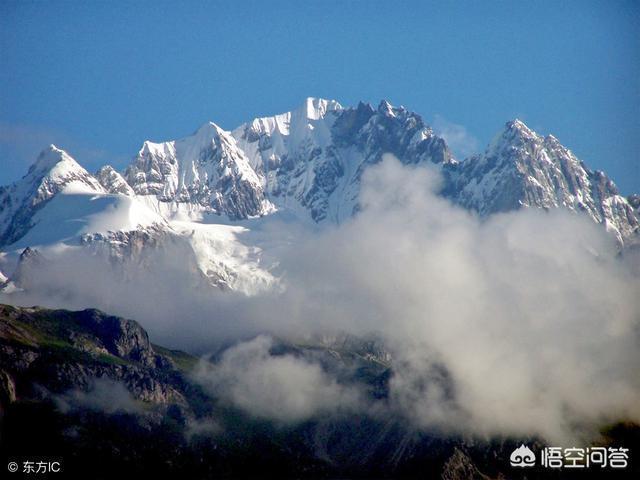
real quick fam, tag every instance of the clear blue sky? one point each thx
(98, 78)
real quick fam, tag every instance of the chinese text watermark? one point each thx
(557, 457)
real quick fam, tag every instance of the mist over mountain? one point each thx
(504, 282)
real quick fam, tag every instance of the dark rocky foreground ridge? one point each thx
(91, 390)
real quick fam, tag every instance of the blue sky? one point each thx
(98, 78)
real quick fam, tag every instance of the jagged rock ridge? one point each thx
(308, 162)
(523, 169)
(207, 169)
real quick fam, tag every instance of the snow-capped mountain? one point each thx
(204, 194)
(308, 160)
(312, 158)
(206, 169)
(53, 171)
(58, 207)
(523, 169)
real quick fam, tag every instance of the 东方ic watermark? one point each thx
(35, 467)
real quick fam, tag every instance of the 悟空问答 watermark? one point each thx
(574, 457)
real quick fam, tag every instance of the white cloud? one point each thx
(284, 387)
(461, 142)
(104, 394)
(522, 324)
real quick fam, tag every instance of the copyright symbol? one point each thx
(13, 467)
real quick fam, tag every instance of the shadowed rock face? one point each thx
(315, 157)
(461, 467)
(29, 263)
(317, 160)
(122, 338)
(205, 169)
(311, 161)
(522, 169)
(97, 392)
(62, 350)
(112, 181)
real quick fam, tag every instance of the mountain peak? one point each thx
(385, 107)
(208, 129)
(206, 169)
(518, 126)
(49, 157)
(207, 132)
(523, 169)
(53, 171)
(552, 141)
(316, 108)
(514, 133)
(53, 161)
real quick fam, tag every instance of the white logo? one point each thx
(565, 458)
(522, 457)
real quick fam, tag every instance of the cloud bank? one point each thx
(104, 395)
(524, 324)
(283, 387)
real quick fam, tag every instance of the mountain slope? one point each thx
(113, 182)
(98, 392)
(59, 208)
(523, 169)
(306, 164)
(101, 393)
(70, 214)
(309, 161)
(312, 159)
(206, 169)
(53, 172)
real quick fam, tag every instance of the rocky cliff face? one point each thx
(307, 163)
(206, 169)
(63, 351)
(461, 467)
(113, 182)
(313, 158)
(523, 169)
(29, 262)
(91, 389)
